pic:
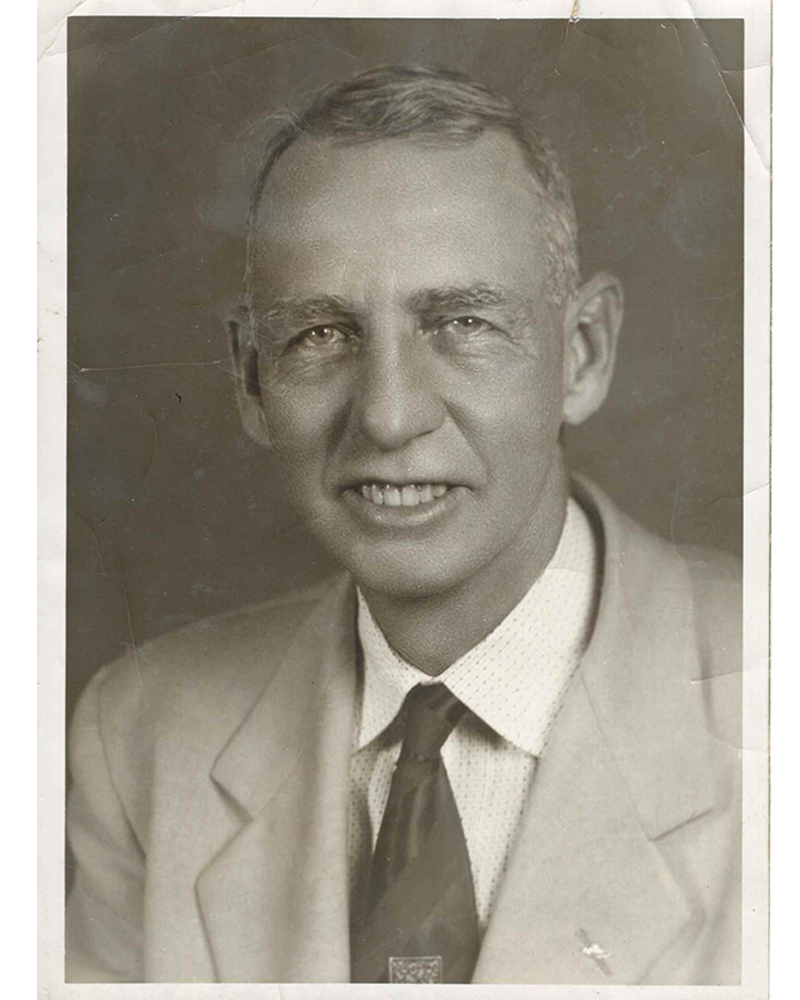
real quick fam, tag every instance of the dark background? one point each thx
(173, 514)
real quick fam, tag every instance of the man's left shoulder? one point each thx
(716, 584)
(694, 608)
(670, 587)
(715, 579)
(702, 587)
(683, 608)
(704, 583)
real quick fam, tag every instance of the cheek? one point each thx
(296, 436)
(302, 425)
(517, 411)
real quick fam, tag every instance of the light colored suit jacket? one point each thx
(209, 809)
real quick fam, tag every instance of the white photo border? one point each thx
(52, 474)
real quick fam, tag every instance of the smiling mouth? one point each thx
(406, 495)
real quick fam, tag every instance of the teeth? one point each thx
(402, 496)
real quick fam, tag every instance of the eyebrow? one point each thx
(294, 312)
(455, 298)
(297, 312)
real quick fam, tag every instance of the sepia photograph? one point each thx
(406, 368)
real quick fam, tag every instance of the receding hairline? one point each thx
(499, 143)
(437, 109)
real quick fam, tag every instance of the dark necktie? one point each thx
(420, 923)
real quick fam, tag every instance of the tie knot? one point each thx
(432, 712)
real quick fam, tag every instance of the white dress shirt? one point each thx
(513, 682)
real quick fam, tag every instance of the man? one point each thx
(502, 747)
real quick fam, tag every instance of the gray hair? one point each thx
(433, 107)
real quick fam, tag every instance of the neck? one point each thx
(432, 632)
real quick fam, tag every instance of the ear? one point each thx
(245, 356)
(592, 322)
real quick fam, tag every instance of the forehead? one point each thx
(398, 211)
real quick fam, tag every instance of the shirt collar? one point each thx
(515, 678)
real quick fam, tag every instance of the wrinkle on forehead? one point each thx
(450, 215)
(314, 172)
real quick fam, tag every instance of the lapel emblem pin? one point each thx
(594, 951)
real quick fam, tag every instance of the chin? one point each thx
(408, 578)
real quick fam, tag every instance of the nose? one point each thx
(397, 398)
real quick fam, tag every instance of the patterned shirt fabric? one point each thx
(513, 682)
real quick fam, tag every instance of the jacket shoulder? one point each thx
(695, 595)
(699, 587)
(715, 579)
(204, 675)
(684, 600)
(702, 588)
(716, 584)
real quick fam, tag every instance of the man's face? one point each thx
(411, 361)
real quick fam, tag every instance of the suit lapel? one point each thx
(583, 873)
(274, 899)
(588, 896)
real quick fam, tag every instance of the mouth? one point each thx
(401, 494)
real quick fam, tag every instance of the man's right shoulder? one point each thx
(220, 664)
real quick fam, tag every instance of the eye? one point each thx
(461, 325)
(320, 336)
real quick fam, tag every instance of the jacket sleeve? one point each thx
(104, 939)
